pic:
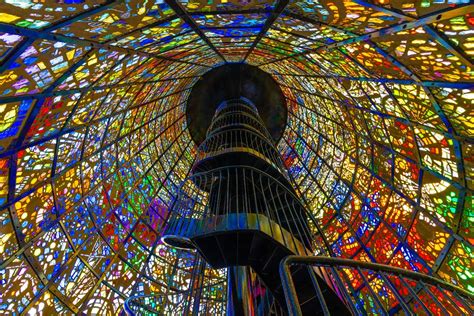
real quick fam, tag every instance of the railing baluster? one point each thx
(372, 293)
(454, 304)
(414, 295)
(466, 305)
(399, 298)
(318, 291)
(434, 298)
(344, 291)
(289, 289)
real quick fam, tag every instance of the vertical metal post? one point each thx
(317, 288)
(197, 287)
(239, 292)
(289, 289)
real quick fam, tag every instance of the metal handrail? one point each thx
(127, 306)
(209, 142)
(138, 301)
(333, 263)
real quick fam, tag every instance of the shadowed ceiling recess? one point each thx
(94, 140)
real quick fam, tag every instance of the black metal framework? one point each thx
(408, 291)
(427, 22)
(238, 208)
(181, 12)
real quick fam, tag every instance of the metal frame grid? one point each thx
(93, 140)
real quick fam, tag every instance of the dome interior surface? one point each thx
(94, 137)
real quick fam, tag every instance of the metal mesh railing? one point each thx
(239, 139)
(230, 119)
(377, 289)
(242, 197)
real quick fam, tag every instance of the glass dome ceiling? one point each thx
(94, 143)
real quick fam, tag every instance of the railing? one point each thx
(377, 289)
(154, 304)
(237, 139)
(240, 197)
(238, 118)
(240, 102)
(236, 107)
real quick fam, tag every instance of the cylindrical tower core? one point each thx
(240, 211)
(238, 138)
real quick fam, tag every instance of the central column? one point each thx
(240, 211)
(249, 174)
(248, 179)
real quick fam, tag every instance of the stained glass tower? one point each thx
(97, 142)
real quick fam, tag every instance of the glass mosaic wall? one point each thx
(94, 143)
